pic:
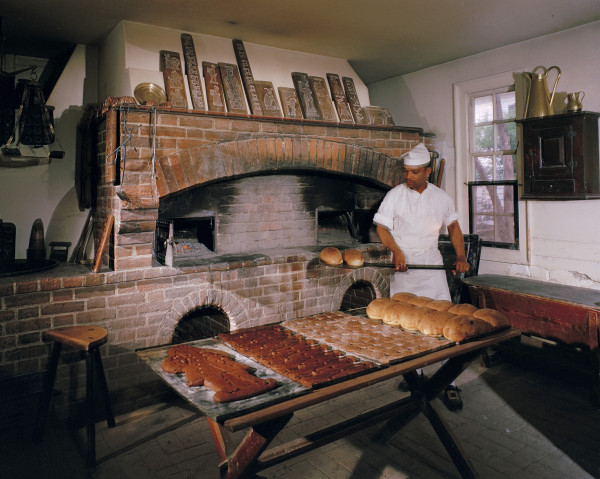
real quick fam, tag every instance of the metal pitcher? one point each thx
(539, 99)
(574, 102)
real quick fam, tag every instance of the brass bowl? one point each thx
(149, 93)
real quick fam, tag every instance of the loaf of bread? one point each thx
(331, 256)
(393, 312)
(496, 319)
(376, 307)
(403, 297)
(464, 308)
(433, 323)
(420, 301)
(462, 327)
(441, 305)
(411, 316)
(353, 257)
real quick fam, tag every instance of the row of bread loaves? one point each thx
(456, 322)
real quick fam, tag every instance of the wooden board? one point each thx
(376, 115)
(103, 243)
(339, 98)
(290, 103)
(308, 102)
(352, 98)
(170, 65)
(232, 87)
(247, 78)
(214, 87)
(378, 375)
(321, 93)
(268, 98)
(191, 70)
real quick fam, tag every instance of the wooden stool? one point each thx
(87, 339)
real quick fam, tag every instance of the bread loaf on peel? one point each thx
(331, 256)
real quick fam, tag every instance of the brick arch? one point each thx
(195, 166)
(205, 295)
(369, 275)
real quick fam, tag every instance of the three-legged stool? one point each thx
(87, 339)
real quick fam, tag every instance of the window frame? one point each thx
(462, 93)
(497, 244)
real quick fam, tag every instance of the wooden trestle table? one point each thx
(264, 423)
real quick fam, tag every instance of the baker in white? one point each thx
(409, 220)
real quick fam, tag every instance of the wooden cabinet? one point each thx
(561, 157)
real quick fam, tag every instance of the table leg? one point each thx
(425, 391)
(393, 426)
(221, 437)
(257, 439)
(594, 340)
(448, 440)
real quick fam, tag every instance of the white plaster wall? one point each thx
(134, 48)
(563, 237)
(47, 191)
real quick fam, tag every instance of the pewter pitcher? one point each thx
(539, 100)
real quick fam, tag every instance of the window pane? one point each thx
(506, 106)
(505, 229)
(499, 168)
(505, 167)
(507, 200)
(484, 110)
(484, 227)
(484, 138)
(482, 201)
(506, 136)
(484, 168)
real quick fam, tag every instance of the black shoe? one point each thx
(452, 398)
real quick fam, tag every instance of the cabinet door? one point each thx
(549, 163)
(561, 157)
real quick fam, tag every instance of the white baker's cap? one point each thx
(418, 156)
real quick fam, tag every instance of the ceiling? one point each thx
(380, 38)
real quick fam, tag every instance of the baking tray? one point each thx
(201, 397)
(335, 327)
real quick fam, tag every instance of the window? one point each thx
(493, 205)
(494, 213)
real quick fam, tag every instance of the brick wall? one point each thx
(141, 308)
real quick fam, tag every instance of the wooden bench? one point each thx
(567, 314)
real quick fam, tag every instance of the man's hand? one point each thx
(461, 265)
(399, 260)
(388, 241)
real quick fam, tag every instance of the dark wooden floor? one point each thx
(522, 418)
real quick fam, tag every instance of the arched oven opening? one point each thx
(262, 212)
(201, 323)
(359, 295)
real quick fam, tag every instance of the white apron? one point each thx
(422, 282)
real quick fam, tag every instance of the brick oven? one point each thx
(250, 202)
